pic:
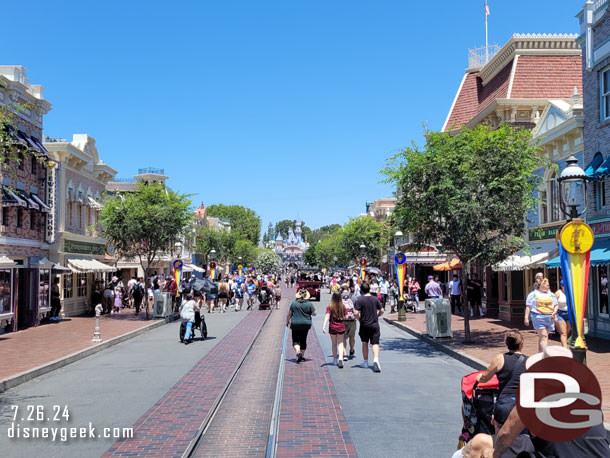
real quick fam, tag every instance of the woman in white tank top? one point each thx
(562, 320)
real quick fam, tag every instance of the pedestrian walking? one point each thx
(384, 289)
(118, 299)
(455, 292)
(188, 309)
(374, 287)
(394, 293)
(250, 291)
(138, 295)
(475, 290)
(223, 295)
(238, 293)
(299, 320)
(350, 323)
(414, 288)
(55, 300)
(433, 289)
(542, 305)
(538, 279)
(277, 292)
(562, 320)
(108, 297)
(367, 310)
(335, 316)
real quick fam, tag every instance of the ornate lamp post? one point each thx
(576, 240)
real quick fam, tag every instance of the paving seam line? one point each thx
(457, 354)
(22, 377)
(277, 402)
(214, 408)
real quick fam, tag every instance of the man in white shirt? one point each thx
(455, 292)
(384, 287)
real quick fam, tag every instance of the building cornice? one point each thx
(530, 44)
(503, 104)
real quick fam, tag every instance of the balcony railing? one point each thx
(151, 170)
(478, 57)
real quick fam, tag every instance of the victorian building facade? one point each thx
(533, 82)
(79, 246)
(26, 224)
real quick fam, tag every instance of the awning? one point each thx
(424, 257)
(59, 269)
(31, 202)
(94, 203)
(603, 169)
(539, 254)
(43, 207)
(454, 264)
(600, 254)
(193, 267)
(598, 159)
(11, 199)
(89, 265)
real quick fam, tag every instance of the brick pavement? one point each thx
(241, 425)
(311, 418)
(488, 334)
(33, 347)
(170, 425)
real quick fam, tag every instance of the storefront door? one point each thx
(26, 297)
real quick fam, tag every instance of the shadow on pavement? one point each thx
(410, 346)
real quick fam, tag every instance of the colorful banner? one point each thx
(212, 270)
(576, 240)
(362, 267)
(239, 267)
(178, 274)
(400, 261)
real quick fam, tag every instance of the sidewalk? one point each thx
(488, 334)
(26, 350)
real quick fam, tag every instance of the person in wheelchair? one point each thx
(188, 309)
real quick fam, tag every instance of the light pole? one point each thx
(576, 239)
(402, 316)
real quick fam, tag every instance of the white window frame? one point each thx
(604, 92)
(600, 194)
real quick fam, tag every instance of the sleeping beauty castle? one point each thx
(291, 250)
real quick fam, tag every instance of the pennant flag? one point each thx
(486, 9)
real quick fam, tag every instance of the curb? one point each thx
(22, 377)
(461, 356)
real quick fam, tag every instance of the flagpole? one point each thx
(486, 48)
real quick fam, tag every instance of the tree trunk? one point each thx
(465, 304)
(146, 290)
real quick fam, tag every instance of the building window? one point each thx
(67, 286)
(80, 216)
(605, 95)
(6, 285)
(89, 222)
(21, 161)
(19, 217)
(32, 219)
(600, 194)
(544, 211)
(43, 289)
(554, 197)
(81, 285)
(5, 211)
(33, 162)
(69, 213)
(603, 290)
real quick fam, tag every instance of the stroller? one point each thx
(478, 401)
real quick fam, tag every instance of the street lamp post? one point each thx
(576, 238)
(402, 315)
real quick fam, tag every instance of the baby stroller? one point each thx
(478, 401)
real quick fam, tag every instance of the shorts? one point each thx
(370, 334)
(336, 333)
(540, 321)
(502, 409)
(350, 328)
(299, 335)
(562, 315)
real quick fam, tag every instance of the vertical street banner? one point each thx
(362, 267)
(400, 262)
(212, 270)
(178, 274)
(239, 267)
(575, 243)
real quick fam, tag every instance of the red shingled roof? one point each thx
(547, 77)
(536, 76)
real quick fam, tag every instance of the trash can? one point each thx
(438, 318)
(163, 305)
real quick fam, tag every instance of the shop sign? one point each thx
(72, 246)
(601, 228)
(543, 233)
(50, 228)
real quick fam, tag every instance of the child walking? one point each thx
(335, 316)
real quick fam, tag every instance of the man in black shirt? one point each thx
(367, 310)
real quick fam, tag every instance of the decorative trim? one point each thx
(512, 76)
(14, 241)
(549, 44)
(457, 94)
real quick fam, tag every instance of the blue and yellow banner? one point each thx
(178, 274)
(400, 262)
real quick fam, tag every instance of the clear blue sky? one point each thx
(289, 108)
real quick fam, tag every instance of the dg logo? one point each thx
(559, 399)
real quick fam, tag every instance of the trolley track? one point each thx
(245, 414)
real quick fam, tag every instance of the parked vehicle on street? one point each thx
(311, 279)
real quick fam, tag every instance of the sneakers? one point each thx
(351, 353)
(299, 357)
(340, 363)
(335, 362)
(344, 357)
(365, 364)
(376, 367)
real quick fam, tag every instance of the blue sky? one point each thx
(289, 108)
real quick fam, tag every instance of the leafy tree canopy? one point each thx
(245, 224)
(365, 230)
(267, 262)
(281, 227)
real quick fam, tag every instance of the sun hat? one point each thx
(549, 352)
(302, 293)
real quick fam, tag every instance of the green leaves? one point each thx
(245, 224)
(267, 262)
(468, 190)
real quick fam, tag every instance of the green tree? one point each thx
(323, 232)
(332, 252)
(144, 224)
(468, 191)
(221, 241)
(245, 224)
(365, 230)
(267, 262)
(248, 252)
